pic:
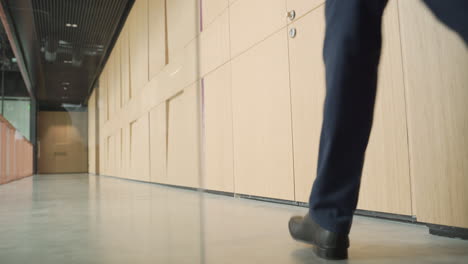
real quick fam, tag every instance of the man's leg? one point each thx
(351, 53)
(453, 14)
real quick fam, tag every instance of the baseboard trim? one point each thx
(388, 216)
(438, 230)
(448, 231)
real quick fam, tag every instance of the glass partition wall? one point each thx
(15, 101)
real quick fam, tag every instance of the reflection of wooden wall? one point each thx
(263, 99)
(63, 142)
(16, 154)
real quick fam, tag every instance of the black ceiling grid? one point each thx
(75, 38)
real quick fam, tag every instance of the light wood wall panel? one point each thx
(125, 64)
(138, 34)
(243, 50)
(263, 161)
(158, 143)
(251, 21)
(117, 79)
(139, 149)
(301, 7)
(182, 155)
(307, 96)
(386, 184)
(183, 23)
(211, 9)
(214, 44)
(16, 161)
(436, 80)
(111, 88)
(103, 104)
(386, 181)
(157, 36)
(111, 161)
(219, 171)
(92, 133)
(64, 142)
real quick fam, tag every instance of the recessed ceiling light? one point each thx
(71, 25)
(68, 25)
(75, 25)
(68, 61)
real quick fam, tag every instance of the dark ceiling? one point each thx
(73, 38)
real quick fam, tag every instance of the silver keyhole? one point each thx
(292, 32)
(292, 15)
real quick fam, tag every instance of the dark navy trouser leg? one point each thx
(351, 54)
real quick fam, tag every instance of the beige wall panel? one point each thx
(139, 147)
(211, 9)
(103, 155)
(181, 72)
(436, 66)
(182, 163)
(253, 20)
(158, 143)
(307, 94)
(111, 162)
(218, 131)
(125, 64)
(102, 104)
(183, 23)
(138, 34)
(63, 139)
(214, 44)
(111, 88)
(386, 184)
(92, 133)
(301, 7)
(117, 81)
(126, 173)
(118, 154)
(157, 36)
(263, 162)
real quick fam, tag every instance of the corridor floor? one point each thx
(80, 218)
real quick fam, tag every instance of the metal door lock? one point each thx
(292, 15)
(292, 32)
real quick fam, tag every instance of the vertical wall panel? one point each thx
(386, 184)
(262, 120)
(301, 7)
(219, 171)
(253, 20)
(92, 133)
(183, 23)
(182, 163)
(158, 143)
(307, 97)
(436, 79)
(138, 34)
(157, 36)
(214, 44)
(125, 64)
(211, 9)
(139, 148)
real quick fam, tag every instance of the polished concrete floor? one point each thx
(89, 219)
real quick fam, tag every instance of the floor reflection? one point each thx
(89, 219)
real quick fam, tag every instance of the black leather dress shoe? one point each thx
(328, 245)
